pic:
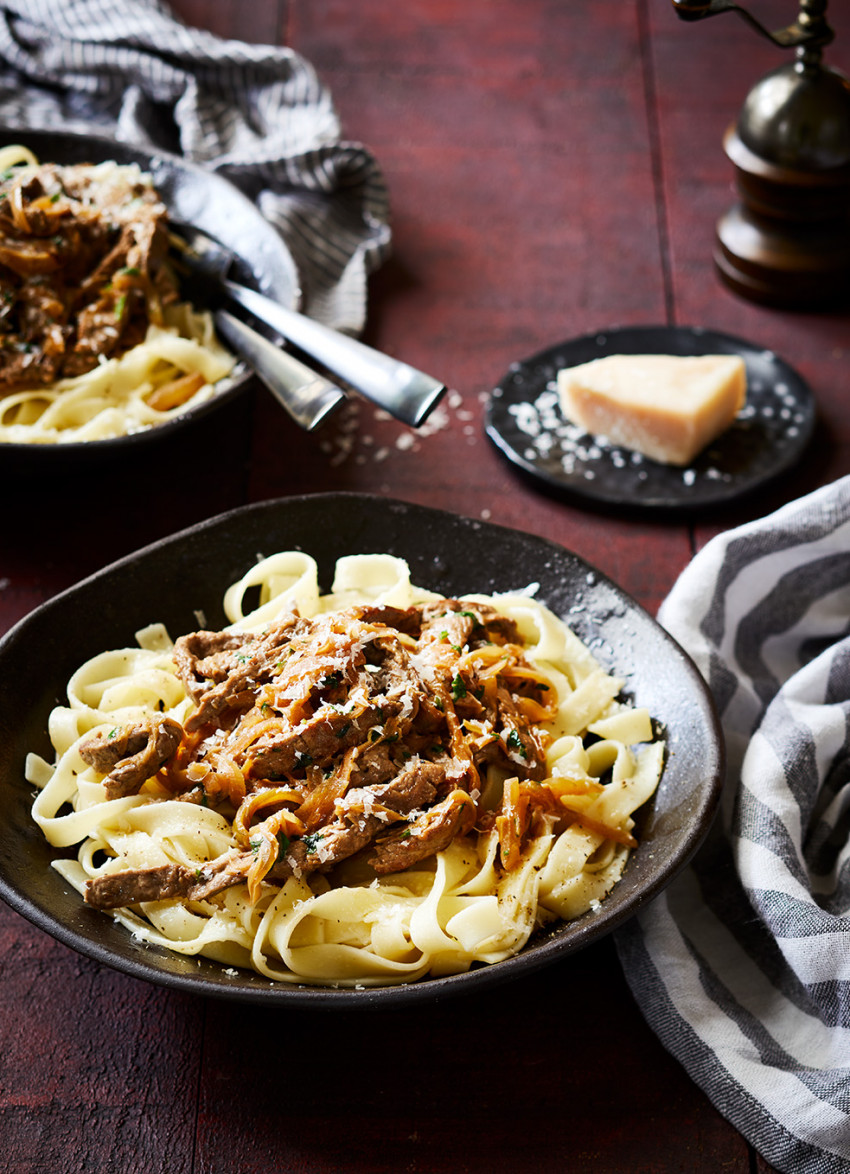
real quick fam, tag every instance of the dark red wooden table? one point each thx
(554, 168)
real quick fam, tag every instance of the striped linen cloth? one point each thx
(256, 114)
(742, 966)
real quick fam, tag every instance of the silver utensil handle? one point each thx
(307, 396)
(406, 393)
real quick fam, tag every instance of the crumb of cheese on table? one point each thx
(668, 407)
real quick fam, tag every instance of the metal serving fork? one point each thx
(404, 392)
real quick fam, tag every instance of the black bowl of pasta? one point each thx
(389, 753)
(105, 350)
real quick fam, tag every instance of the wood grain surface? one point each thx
(554, 168)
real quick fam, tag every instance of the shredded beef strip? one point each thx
(430, 832)
(232, 664)
(169, 882)
(131, 754)
(204, 658)
(353, 710)
(478, 623)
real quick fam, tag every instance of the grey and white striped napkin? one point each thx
(742, 966)
(256, 114)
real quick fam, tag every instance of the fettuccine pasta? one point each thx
(179, 365)
(357, 788)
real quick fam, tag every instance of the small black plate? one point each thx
(194, 196)
(525, 422)
(171, 580)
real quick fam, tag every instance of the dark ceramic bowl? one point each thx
(172, 579)
(194, 196)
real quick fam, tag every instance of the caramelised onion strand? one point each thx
(259, 801)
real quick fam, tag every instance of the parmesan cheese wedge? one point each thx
(668, 407)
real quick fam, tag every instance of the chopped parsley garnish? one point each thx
(256, 845)
(312, 840)
(458, 688)
(120, 305)
(515, 743)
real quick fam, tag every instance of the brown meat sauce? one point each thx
(82, 269)
(361, 734)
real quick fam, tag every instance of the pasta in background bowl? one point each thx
(186, 577)
(184, 341)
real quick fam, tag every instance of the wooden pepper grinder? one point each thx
(787, 242)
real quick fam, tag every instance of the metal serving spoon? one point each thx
(406, 393)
